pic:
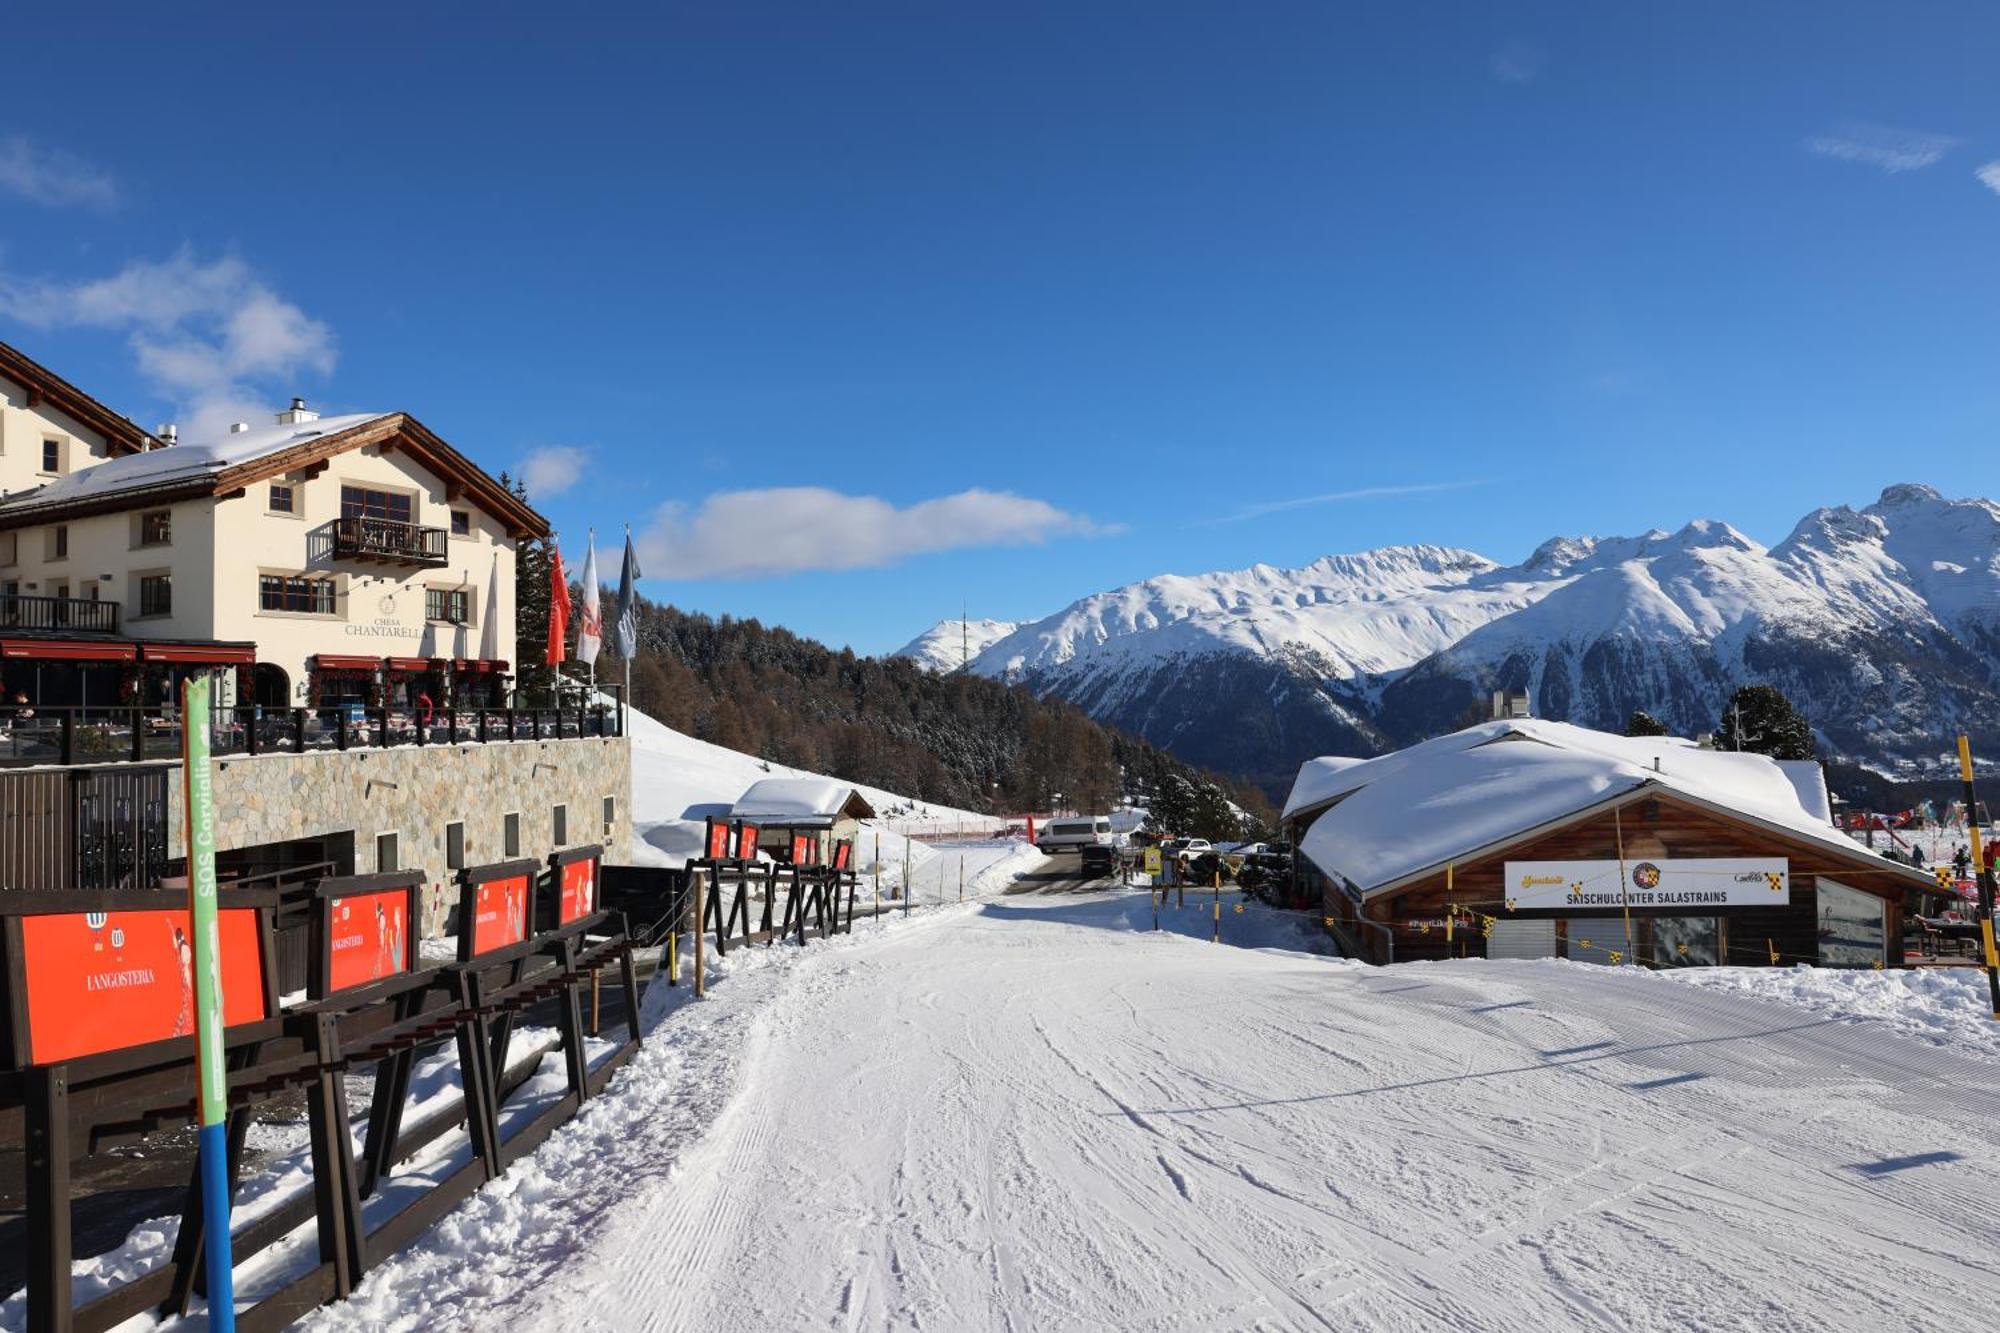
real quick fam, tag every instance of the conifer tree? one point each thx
(534, 680)
(1643, 723)
(1761, 720)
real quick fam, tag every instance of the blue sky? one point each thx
(1011, 304)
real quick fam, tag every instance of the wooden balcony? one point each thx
(57, 613)
(383, 539)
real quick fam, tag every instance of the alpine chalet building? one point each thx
(349, 584)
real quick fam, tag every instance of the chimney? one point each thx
(168, 433)
(296, 414)
(1508, 704)
(239, 427)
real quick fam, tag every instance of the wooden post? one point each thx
(1216, 936)
(878, 874)
(906, 876)
(46, 1115)
(596, 997)
(961, 876)
(700, 977)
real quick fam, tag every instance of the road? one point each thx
(1036, 1113)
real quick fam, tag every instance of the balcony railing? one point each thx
(362, 538)
(130, 735)
(57, 613)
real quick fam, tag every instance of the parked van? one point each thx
(1069, 835)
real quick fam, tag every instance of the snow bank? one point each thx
(1944, 1006)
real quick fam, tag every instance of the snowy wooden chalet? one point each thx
(1542, 839)
(830, 811)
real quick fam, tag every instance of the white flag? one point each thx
(589, 625)
(489, 631)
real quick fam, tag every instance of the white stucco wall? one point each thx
(22, 430)
(220, 548)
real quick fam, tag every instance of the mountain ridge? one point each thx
(1883, 623)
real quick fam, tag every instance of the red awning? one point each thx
(51, 650)
(476, 664)
(407, 665)
(213, 654)
(336, 662)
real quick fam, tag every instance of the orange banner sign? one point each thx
(579, 891)
(500, 913)
(369, 937)
(103, 981)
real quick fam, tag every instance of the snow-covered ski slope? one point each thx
(1034, 1113)
(678, 781)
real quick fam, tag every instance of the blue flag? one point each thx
(628, 602)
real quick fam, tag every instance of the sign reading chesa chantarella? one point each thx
(1715, 881)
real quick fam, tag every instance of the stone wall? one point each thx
(416, 793)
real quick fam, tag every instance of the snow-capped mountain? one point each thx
(946, 645)
(1883, 624)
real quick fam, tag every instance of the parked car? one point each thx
(1099, 858)
(1191, 848)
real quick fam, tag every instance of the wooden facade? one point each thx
(1405, 921)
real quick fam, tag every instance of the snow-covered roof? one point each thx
(800, 802)
(1318, 781)
(1455, 795)
(189, 462)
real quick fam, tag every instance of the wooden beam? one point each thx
(236, 494)
(314, 470)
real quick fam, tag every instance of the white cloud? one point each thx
(202, 332)
(1989, 176)
(1518, 62)
(553, 469)
(1337, 497)
(795, 529)
(1882, 146)
(53, 177)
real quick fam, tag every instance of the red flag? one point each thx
(558, 606)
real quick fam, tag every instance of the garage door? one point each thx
(1522, 939)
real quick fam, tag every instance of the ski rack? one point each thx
(369, 1001)
(812, 889)
(84, 1062)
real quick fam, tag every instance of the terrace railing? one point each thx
(19, 611)
(362, 538)
(98, 735)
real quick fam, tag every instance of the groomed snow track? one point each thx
(1034, 1113)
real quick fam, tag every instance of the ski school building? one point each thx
(1532, 839)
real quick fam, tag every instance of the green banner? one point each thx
(200, 792)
